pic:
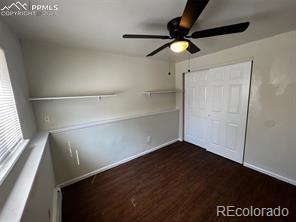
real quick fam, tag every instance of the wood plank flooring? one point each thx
(178, 183)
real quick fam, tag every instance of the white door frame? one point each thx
(248, 99)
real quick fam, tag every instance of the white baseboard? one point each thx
(269, 173)
(57, 205)
(69, 182)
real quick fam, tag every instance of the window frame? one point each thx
(12, 159)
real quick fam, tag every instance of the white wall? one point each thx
(270, 141)
(55, 70)
(102, 145)
(39, 206)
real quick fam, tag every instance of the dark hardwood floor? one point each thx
(178, 183)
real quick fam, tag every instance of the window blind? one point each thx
(10, 130)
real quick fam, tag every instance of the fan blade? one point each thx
(132, 36)
(192, 11)
(159, 49)
(229, 29)
(192, 48)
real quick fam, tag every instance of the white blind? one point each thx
(10, 130)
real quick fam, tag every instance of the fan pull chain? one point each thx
(169, 73)
(188, 63)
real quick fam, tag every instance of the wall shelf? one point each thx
(149, 93)
(71, 97)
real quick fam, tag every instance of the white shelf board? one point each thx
(160, 92)
(71, 97)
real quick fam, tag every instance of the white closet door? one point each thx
(196, 107)
(222, 122)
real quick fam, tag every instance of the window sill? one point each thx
(23, 177)
(5, 170)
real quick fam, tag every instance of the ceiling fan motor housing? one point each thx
(176, 32)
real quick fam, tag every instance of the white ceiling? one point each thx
(99, 24)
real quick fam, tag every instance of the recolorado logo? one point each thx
(233, 211)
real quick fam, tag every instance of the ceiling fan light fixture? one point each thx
(180, 27)
(179, 46)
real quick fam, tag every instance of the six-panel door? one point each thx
(216, 103)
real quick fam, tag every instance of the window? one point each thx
(10, 131)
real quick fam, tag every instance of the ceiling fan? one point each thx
(179, 29)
